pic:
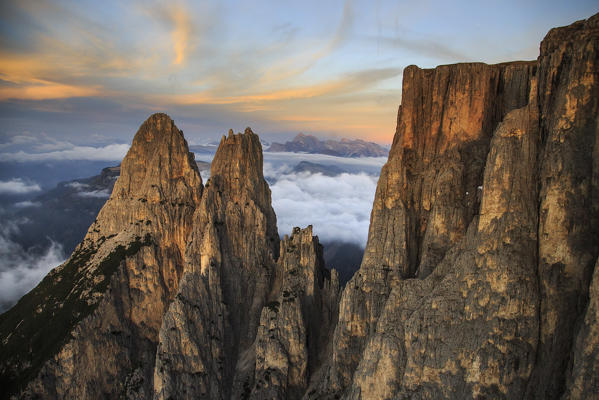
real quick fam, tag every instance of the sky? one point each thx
(88, 73)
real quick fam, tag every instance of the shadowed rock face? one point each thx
(214, 341)
(479, 279)
(296, 326)
(569, 193)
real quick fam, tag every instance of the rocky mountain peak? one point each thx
(579, 31)
(159, 157)
(118, 282)
(239, 157)
(159, 180)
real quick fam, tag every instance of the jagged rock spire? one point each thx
(239, 159)
(230, 263)
(158, 157)
(116, 285)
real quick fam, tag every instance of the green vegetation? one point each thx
(37, 327)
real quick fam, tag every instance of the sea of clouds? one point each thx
(338, 207)
(26, 148)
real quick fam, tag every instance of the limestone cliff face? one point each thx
(229, 266)
(295, 327)
(569, 196)
(213, 342)
(582, 381)
(483, 235)
(429, 190)
(90, 329)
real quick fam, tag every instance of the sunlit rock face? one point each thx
(429, 191)
(479, 279)
(90, 329)
(230, 265)
(483, 236)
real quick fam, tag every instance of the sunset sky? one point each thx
(89, 72)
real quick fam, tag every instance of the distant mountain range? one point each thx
(314, 168)
(340, 148)
(210, 147)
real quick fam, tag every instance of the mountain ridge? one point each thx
(341, 148)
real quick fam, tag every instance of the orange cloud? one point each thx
(19, 69)
(352, 83)
(46, 90)
(277, 95)
(182, 30)
(347, 106)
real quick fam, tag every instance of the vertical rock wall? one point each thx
(483, 235)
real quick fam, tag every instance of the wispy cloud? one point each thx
(297, 65)
(27, 203)
(177, 17)
(77, 185)
(181, 33)
(435, 49)
(101, 194)
(18, 186)
(350, 83)
(43, 90)
(277, 64)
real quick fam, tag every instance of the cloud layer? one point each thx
(111, 152)
(337, 207)
(95, 193)
(276, 164)
(330, 68)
